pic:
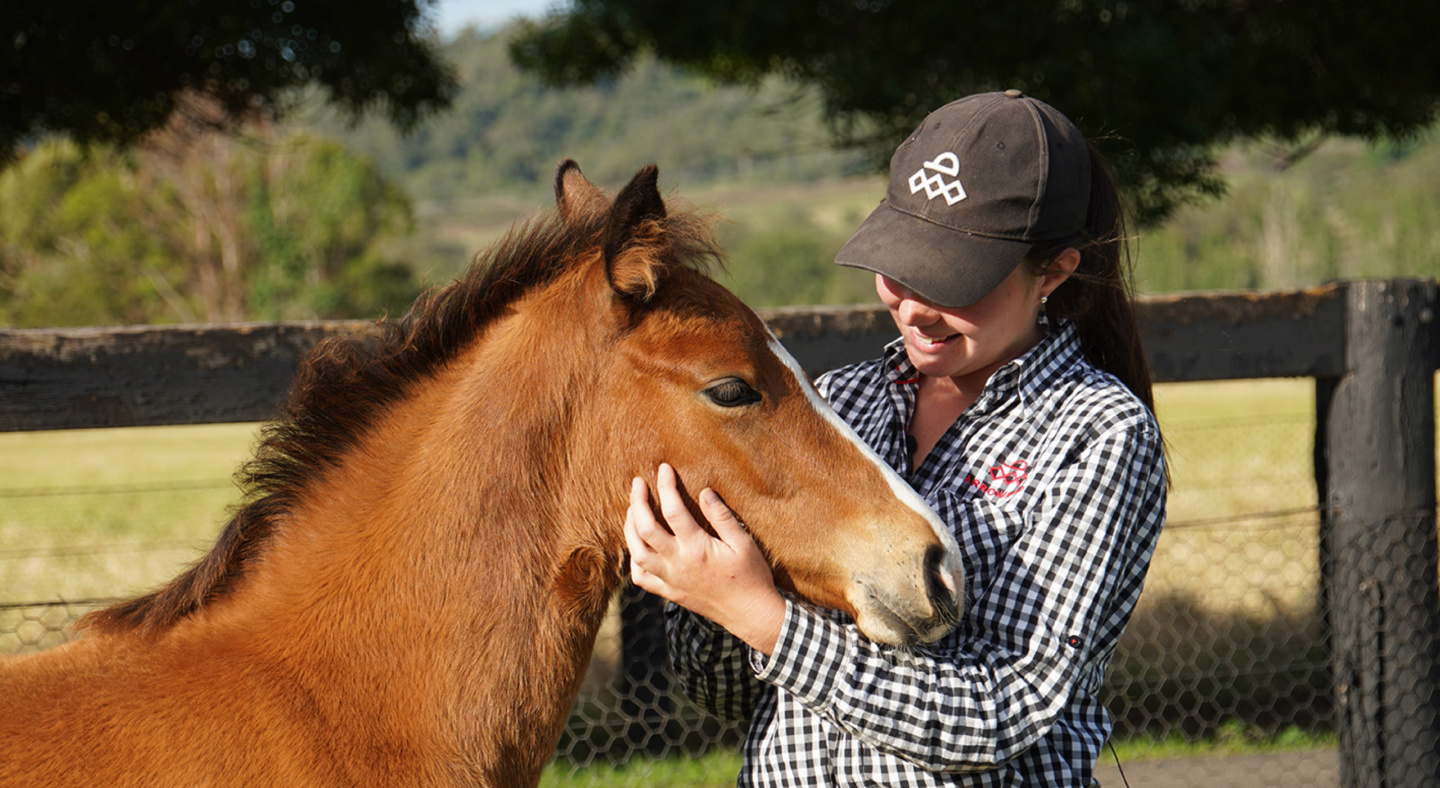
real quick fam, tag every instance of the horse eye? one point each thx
(732, 393)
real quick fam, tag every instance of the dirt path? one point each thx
(1307, 769)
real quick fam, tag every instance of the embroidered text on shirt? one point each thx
(1004, 480)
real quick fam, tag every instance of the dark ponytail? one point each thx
(1099, 296)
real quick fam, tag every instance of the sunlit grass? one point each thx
(1232, 739)
(716, 769)
(106, 513)
(1242, 529)
(99, 513)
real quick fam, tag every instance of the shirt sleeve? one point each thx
(711, 665)
(1011, 668)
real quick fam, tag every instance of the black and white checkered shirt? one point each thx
(1054, 483)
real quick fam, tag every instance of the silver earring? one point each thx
(1043, 301)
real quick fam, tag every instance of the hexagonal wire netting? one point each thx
(1229, 644)
(26, 628)
(1227, 649)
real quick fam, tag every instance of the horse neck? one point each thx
(458, 548)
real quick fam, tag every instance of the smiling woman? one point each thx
(956, 350)
(997, 252)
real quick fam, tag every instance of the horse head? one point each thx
(696, 379)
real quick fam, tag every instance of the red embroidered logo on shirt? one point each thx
(1002, 481)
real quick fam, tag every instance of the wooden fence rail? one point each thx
(72, 378)
(1371, 346)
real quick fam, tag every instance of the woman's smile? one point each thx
(966, 344)
(927, 343)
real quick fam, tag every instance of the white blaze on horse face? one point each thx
(951, 571)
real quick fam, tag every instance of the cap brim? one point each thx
(947, 267)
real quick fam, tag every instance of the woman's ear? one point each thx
(1059, 270)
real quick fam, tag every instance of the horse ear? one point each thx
(574, 195)
(635, 224)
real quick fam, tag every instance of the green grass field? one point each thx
(110, 513)
(100, 513)
(1242, 526)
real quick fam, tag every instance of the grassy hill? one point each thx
(760, 156)
(110, 236)
(506, 131)
(1346, 211)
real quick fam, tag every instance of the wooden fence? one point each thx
(1371, 346)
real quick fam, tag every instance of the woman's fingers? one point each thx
(639, 492)
(672, 505)
(633, 541)
(655, 535)
(726, 580)
(727, 526)
(644, 562)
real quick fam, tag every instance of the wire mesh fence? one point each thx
(28, 627)
(1230, 630)
(1229, 645)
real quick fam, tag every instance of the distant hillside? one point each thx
(506, 131)
(762, 158)
(107, 236)
(759, 156)
(1348, 210)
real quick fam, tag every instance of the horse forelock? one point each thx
(345, 385)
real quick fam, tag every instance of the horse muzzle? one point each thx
(909, 614)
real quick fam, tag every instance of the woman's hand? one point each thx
(726, 580)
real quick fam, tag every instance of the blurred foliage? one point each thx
(208, 229)
(101, 71)
(1157, 85)
(788, 259)
(1347, 210)
(313, 217)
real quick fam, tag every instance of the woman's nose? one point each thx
(914, 311)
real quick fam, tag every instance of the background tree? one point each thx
(103, 71)
(1159, 84)
(199, 227)
(76, 242)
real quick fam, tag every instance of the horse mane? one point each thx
(345, 384)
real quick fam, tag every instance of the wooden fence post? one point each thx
(1376, 438)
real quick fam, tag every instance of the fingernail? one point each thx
(708, 496)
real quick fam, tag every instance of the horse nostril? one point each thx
(943, 595)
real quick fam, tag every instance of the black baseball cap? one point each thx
(978, 183)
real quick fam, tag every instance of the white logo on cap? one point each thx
(934, 183)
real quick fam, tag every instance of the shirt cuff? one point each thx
(810, 655)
